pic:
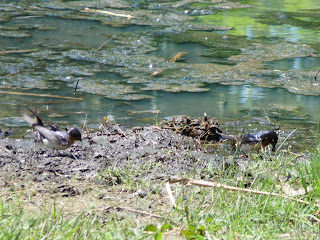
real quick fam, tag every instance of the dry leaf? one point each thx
(177, 56)
(156, 73)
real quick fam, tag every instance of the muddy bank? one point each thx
(118, 171)
(181, 146)
(151, 151)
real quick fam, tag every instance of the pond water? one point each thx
(306, 63)
(115, 80)
(251, 22)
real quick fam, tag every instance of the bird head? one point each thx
(74, 134)
(270, 137)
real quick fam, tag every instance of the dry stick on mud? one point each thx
(39, 95)
(202, 183)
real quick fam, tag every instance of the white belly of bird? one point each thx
(249, 147)
(54, 145)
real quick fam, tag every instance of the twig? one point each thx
(177, 56)
(75, 157)
(202, 183)
(39, 95)
(17, 51)
(315, 77)
(108, 13)
(103, 127)
(120, 131)
(171, 197)
(42, 102)
(75, 89)
(85, 124)
(287, 138)
(103, 45)
(142, 212)
(27, 17)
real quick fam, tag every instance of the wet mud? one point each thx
(106, 166)
(167, 153)
(103, 169)
(181, 146)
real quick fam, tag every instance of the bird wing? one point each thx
(250, 139)
(30, 120)
(40, 121)
(56, 137)
(229, 137)
(260, 134)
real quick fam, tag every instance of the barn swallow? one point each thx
(254, 141)
(53, 137)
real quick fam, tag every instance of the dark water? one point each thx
(249, 106)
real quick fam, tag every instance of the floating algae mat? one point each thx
(120, 50)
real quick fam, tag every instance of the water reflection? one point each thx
(250, 21)
(249, 107)
(58, 31)
(307, 63)
(223, 102)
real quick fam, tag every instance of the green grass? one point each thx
(202, 213)
(16, 223)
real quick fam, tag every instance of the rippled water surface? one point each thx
(115, 79)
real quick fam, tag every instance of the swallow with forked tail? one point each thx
(53, 137)
(256, 141)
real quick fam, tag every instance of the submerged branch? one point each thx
(39, 95)
(18, 51)
(108, 13)
(177, 56)
(103, 44)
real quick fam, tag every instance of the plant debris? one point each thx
(205, 128)
(177, 56)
